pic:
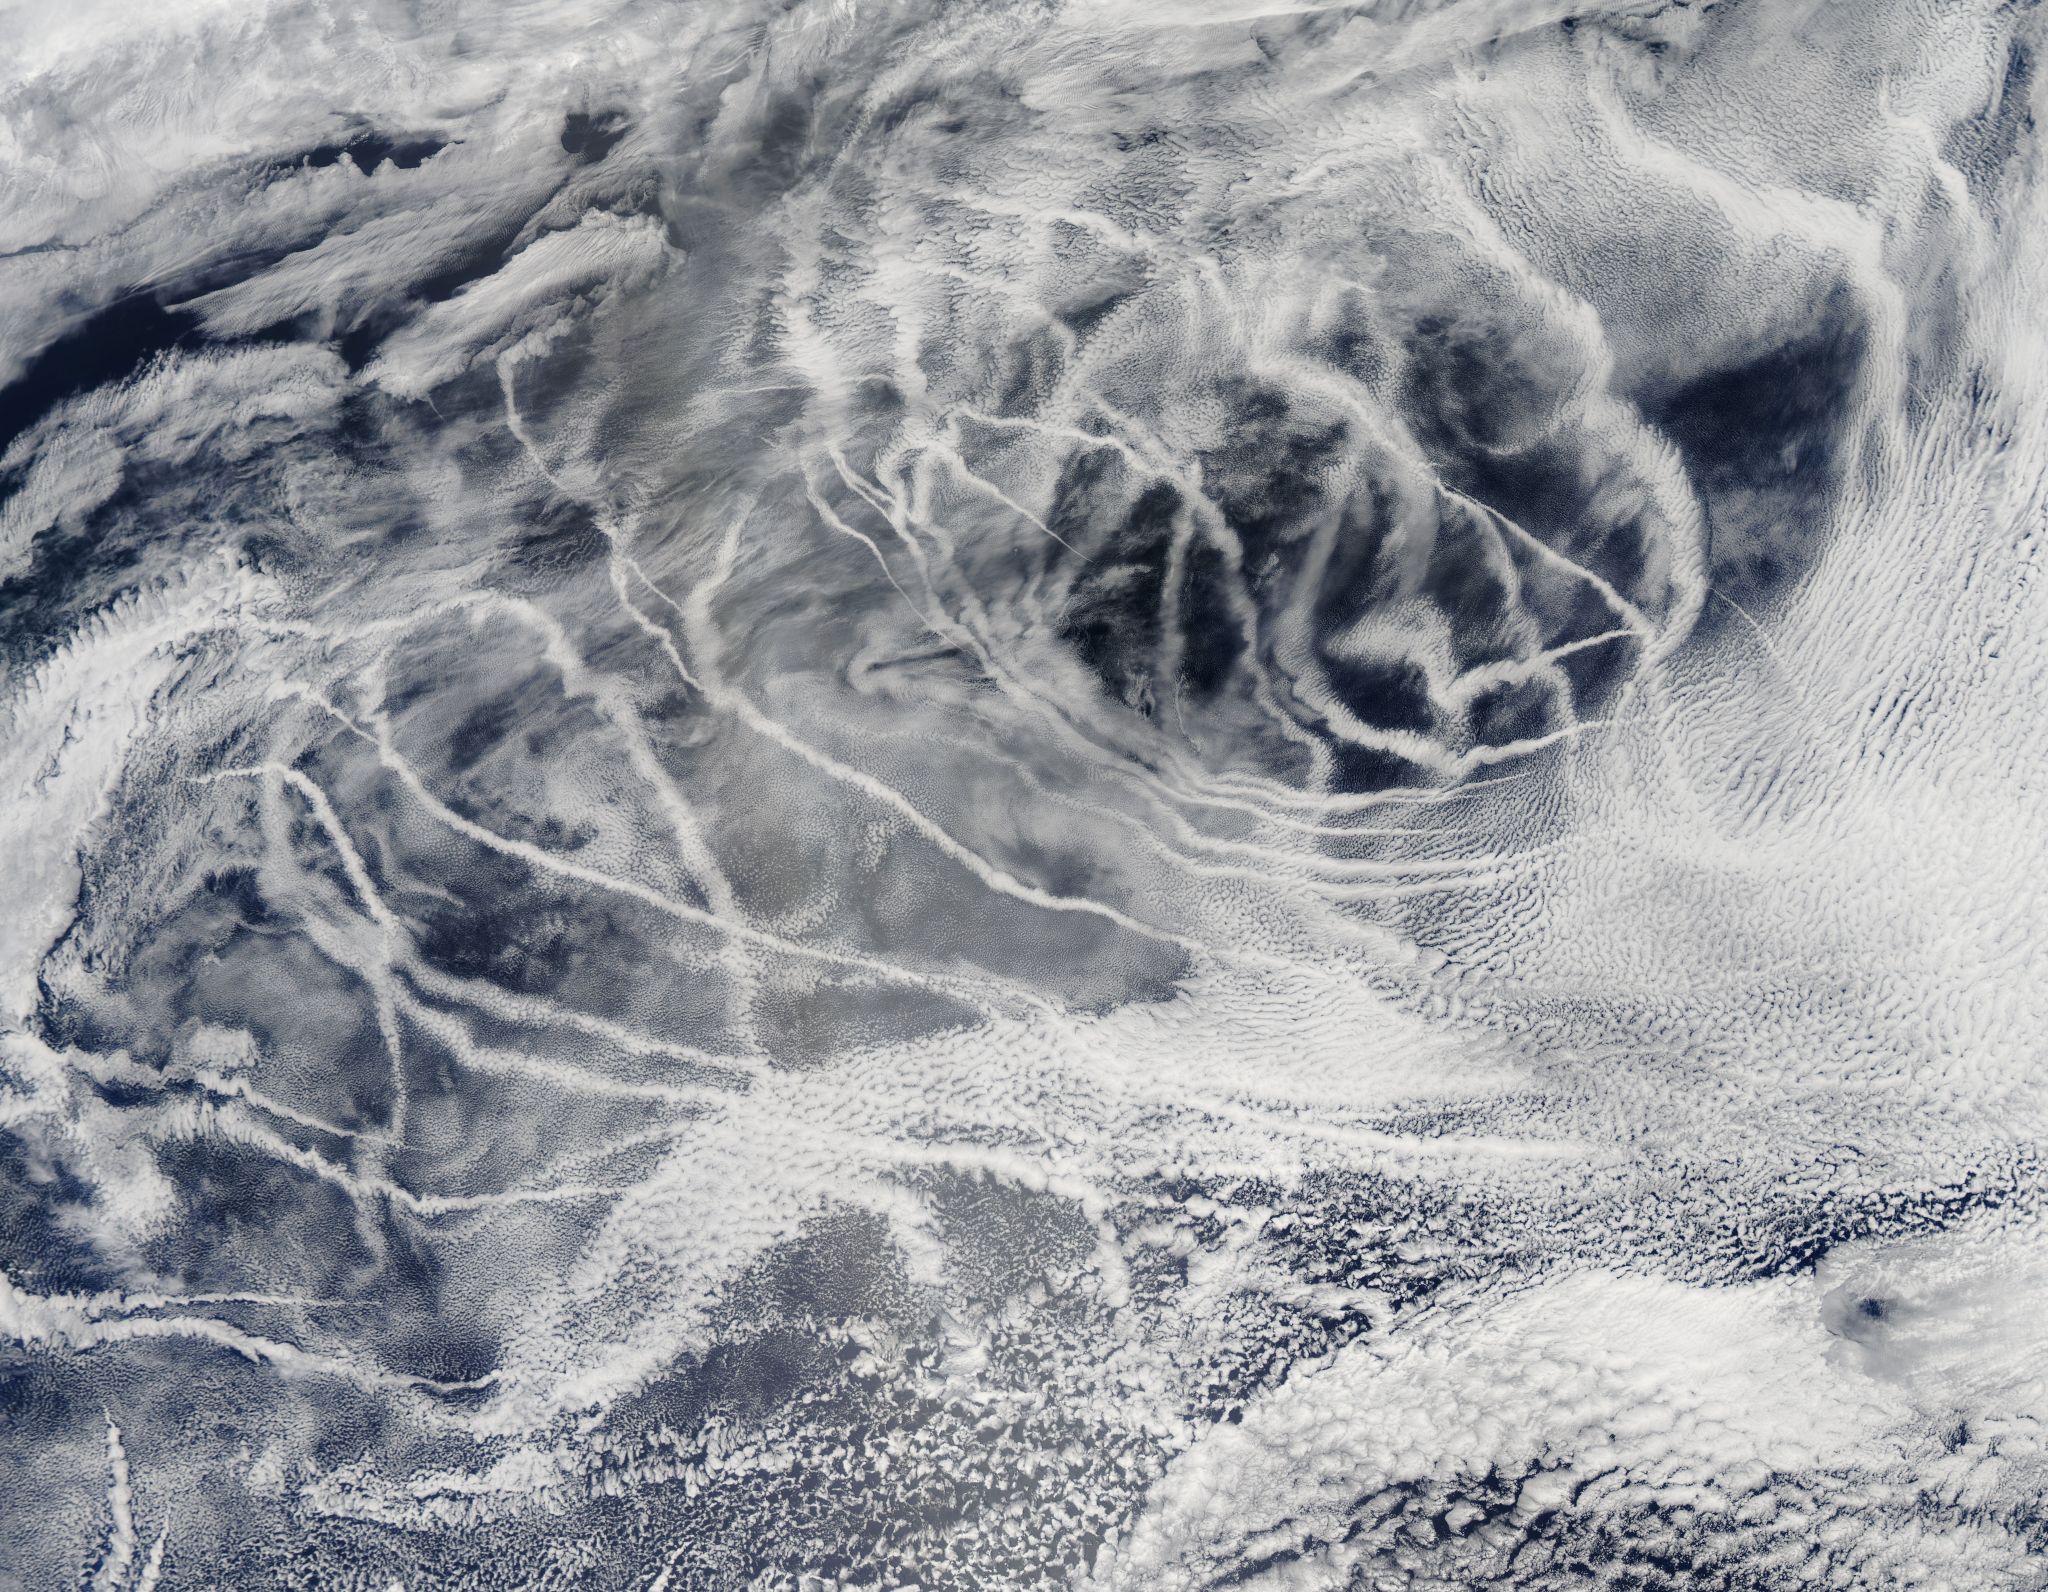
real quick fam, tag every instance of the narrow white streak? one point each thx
(668, 1567)
(152, 1567)
(562, 867)
(640, 1139)
(674, 607)
(506, 364)
(831, 519)
(1509, 671)
(578, 677)
(888, 504)
(1507, 751)
(1796, 680)
(362, 628)
(533, 1012)
(1265, 812)
(1660, 469)
(1037, 703)
(368, 1190)
(122, 1304)
(501, 1003)
(432, 1205)
(623, 563)
(1267, 802)
(1410, 746)
(978, 991)
(991, 876)
(573, 673)
(1828, 227)
(1394, 461)
(197, 1120)
(1403, 1154)
(1018, 683)
(1223, 538)
(511, 1063)
(1606, 419)
(119, 1552)
(1311, 871)
(392, 941)
(891, 508)
(60, 1321)
(1159, 813)
(1045, 217)
(1060, 714)
(1173, 642)
(330, 824)
(1626, 611)
(971, 634)
(228, 1088)
(1075, 435)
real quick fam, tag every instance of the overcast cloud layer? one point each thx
(1120, 794)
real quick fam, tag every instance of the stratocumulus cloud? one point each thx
(1126, 794)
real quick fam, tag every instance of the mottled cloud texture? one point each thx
(1132, 794)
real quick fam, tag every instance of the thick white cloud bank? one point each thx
(1105, 795)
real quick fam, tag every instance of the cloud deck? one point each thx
(1126, 795)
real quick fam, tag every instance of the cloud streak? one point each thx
(1130, 796)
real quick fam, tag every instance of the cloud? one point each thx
(1136, 793)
